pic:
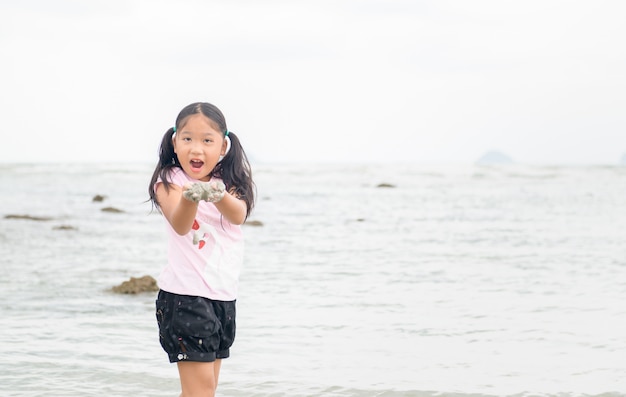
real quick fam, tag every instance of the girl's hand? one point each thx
(208, 191)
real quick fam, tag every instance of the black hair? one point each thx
(234, 169)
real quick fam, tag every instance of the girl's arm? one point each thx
(178, 211)
(233, 209)
(181, 212)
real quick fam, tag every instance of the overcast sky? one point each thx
(431, 81)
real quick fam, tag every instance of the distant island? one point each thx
(623, 160)
(494, 157)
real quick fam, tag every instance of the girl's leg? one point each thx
(216, 369)
(198, 379)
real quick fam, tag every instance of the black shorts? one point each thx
(193, 328)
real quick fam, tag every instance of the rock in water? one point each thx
(28, 217)
(137, 285)
(111, 209)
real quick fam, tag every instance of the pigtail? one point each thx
(167, 160)
(235, 171)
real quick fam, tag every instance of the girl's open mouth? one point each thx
(196, 164)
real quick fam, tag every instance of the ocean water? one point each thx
(456, 281)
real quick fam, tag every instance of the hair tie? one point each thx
(174, 128)
(226, 133)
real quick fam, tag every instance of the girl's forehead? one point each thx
(199, 117)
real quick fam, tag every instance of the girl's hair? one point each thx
(234, 169)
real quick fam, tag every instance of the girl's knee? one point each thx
(197, 379)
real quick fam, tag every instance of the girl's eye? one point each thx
(187, 139)
(208, 140)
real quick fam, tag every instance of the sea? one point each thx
(359, 280)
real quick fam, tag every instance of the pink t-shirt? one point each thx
(206, 261)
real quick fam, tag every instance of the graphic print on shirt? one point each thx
(202, 232)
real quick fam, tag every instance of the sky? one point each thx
(334, 81)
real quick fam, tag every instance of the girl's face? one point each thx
(198, 146)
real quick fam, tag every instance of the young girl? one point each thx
(203, 186)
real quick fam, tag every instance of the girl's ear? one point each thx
(225, 148)
(174, 142)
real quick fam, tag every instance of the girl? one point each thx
(203, 186)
